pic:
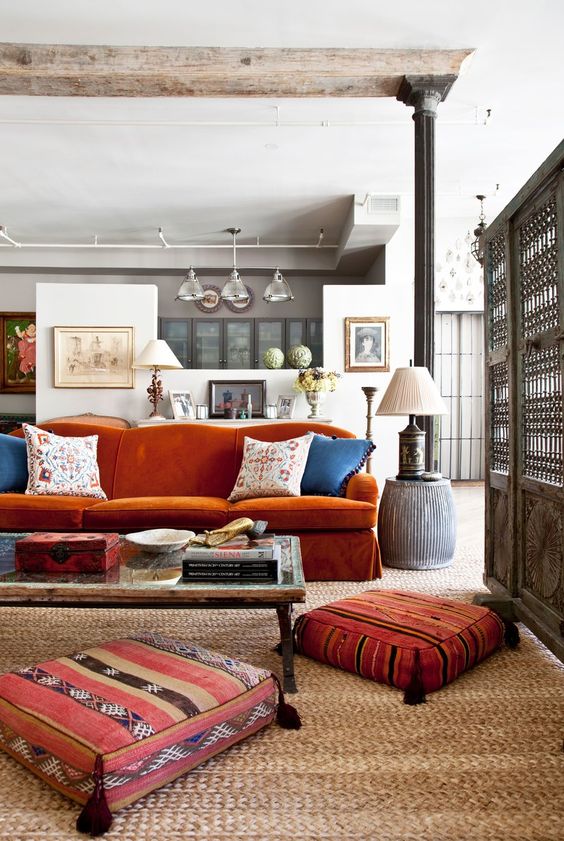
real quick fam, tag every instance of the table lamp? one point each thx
(412, 391)
(156, 355)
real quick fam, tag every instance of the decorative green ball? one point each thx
(273, 357)
(299, 356)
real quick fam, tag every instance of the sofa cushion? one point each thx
(62, 466)
(271, 468)
(109, 724)
(307, 512)
(415, 642)
(331, 462)
(193, 512)
(13, 464)
(23, 512)
(176, 460)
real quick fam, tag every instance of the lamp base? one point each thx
(155, 392)
(411, 451)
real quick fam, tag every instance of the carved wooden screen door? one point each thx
(524, 417)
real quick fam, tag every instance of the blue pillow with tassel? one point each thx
(331, 462)
(13, 464)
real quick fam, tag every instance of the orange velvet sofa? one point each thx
(180, 475)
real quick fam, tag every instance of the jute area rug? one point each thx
(482, 759)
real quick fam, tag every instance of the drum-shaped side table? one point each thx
(417, 524)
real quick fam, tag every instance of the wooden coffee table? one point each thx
(134, 583)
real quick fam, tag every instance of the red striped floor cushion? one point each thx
(107, 725)
(415, 642)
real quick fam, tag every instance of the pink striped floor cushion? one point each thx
(107, 725)
(415, 642)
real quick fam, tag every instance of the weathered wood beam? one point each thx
(71, 70)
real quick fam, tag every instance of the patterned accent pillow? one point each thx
(271, 468)
(61, 466)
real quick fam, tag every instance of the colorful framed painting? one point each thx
(18, 334)
(93, 357)
(228, 395)
(367, 344)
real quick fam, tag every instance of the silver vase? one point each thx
(315, 400)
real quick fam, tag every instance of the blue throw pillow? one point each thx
(331, 462)
(13, 464)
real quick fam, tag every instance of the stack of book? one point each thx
(240, 560)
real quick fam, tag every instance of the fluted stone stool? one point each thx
(417, 524)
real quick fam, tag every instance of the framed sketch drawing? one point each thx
(183, 406)
(285, 406)
(17, 352)
(367, 344)
(93, 357)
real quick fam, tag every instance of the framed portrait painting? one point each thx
(183, 406)
(226, 395)
(367, 344)
(93, 357)
(17, 352)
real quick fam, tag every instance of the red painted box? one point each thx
(60, 552)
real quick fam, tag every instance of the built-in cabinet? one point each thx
(235, 343)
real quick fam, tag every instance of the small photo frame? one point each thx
(183, 406)
(93, 357)
(285, 406)
(367, 344)
(226, 395)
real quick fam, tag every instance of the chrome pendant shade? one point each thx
(190, 288)
(278, 289)
(234, 289)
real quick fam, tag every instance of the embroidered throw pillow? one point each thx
(13, 464)
(271, 468)
(331, 462)
(62, 466)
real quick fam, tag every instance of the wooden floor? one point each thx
(469, 502)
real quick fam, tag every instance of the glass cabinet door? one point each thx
(207, 343)
(295, 332)
(177, 333)
(315, 341)
(238, 343)
(269, 332)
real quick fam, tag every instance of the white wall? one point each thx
(347, 405)
(64, 304)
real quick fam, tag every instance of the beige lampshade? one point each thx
(157, 354)
(412, 391)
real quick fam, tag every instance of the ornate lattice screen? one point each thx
(525, 415)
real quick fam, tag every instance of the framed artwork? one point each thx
(234, 394)
(285, 406)
(244, 306)
(211, 301)
(93, 357)
(367, 344)
(18, 335)
(183, 405)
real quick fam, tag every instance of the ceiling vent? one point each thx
(382, 204)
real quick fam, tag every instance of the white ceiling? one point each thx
(119, 168)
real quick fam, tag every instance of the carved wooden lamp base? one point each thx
(155, 392)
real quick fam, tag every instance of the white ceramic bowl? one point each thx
(160, 540)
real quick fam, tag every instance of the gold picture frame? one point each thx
(93, 357)
(18, 343)
(367, 344)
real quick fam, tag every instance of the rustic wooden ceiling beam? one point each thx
(76, 70)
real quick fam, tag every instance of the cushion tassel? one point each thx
(96, 817)
(511, 634)
(287, 716)
(415, 693)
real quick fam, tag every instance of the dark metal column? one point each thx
(425, 93)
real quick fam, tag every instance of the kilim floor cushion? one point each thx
(107, 725)
(409, 640)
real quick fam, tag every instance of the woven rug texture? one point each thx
(482, 760)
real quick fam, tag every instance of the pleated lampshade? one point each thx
(412, 391)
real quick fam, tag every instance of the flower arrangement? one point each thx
(316, 379)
